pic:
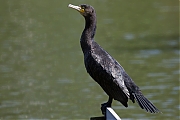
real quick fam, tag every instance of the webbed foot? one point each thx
(105, 105)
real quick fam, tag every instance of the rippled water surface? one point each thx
(42, 75)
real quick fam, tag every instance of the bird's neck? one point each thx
(88, 33)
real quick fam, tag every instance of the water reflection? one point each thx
(170, 63)
(148, 53)
(129, 36)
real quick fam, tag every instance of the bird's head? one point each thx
(85, 10)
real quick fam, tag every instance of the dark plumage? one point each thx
(105, 70)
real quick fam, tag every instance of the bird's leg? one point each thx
(105, 105)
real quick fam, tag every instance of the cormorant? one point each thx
(105, 70)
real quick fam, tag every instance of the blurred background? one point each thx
(42, 74)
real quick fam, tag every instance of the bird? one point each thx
(105, 70)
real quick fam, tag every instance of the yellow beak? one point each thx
(76, 8)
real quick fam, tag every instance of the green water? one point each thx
(42, 75)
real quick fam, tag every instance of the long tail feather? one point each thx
(144, 103)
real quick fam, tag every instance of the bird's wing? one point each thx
(117, 73)
(112, 67)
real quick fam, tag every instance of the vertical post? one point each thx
(111, 114)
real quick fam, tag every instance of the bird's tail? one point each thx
(144, 103)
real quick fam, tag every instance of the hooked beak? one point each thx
(78, 8)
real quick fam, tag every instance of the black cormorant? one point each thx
(105, 70)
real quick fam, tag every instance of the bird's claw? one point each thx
(104, 106)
